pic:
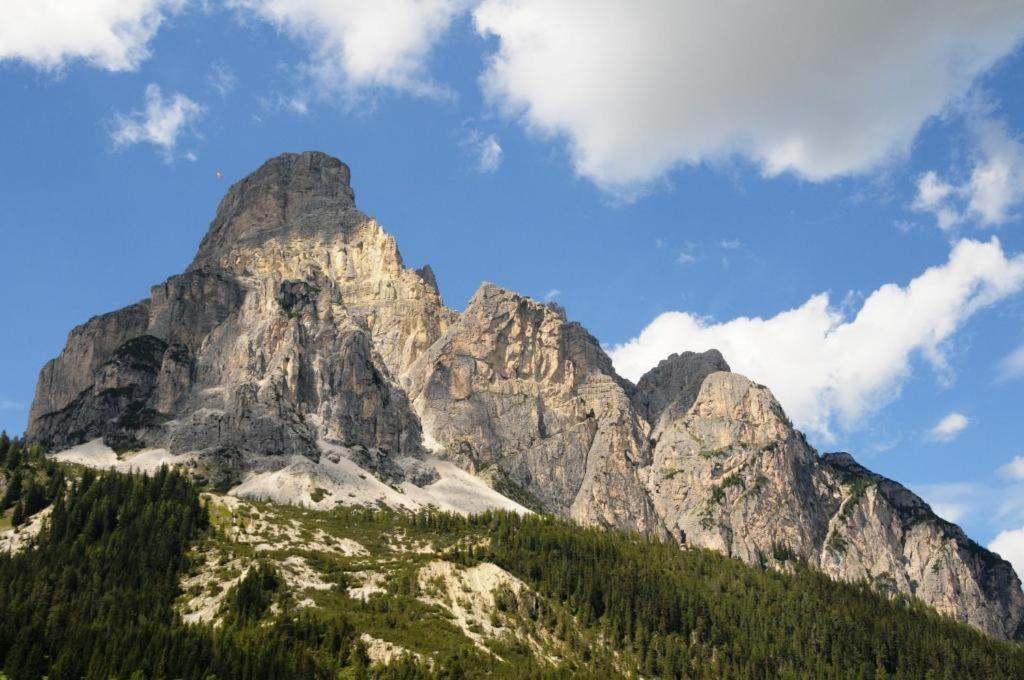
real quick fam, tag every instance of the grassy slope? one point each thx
(244, 532)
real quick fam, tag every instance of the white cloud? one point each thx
(931, 191)
(686, 257)
(161, 123)
(358, 44)
(993, 190)
(1013, 470)
(108, 34)
(731, 244)
(827, 366)
(10, 405)
(997, 183)
(485, 149)
(817, 88)
(949, 427)
(552, 294)
(1012, 365)
(1010, 546)
(489, 151)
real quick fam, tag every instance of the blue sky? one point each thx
(675, 179)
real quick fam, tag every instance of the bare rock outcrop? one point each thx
(733, 475)
(513, 386)
(284, 331)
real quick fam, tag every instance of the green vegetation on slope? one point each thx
(698, 614)
(30, 481)
(99, 595)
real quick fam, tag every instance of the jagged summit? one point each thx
(295, 191)
(674, 383)
(299, 359)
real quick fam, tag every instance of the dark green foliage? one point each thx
(857, 490)
(92, 598)
(782, 553)
(18, 516)
(694, 613)
(33, 481)
(248, 601)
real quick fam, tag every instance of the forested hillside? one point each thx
(103, 592)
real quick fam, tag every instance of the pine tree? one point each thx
(18, 518)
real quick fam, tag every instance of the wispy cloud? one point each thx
(552, 294)
(161, 123)
(952, 502)
(992, 192)
(949, 427)
(688, 254)
(484, 148)
(1012, 365)
(1013, 470)
(11, 405)
(489, 154)
(222, 79)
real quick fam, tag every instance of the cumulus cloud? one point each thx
(826, 366)
(161, 123)
(949, 427)
(108, 34)
(1010, 546)
(819, 89)
(359, 44)
(994, 188)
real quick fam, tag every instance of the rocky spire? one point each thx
(294, 191)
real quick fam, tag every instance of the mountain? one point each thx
(298, 359)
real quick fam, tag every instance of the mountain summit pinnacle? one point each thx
(296, 191)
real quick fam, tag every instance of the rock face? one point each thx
(298, 333)
(514, 389)
(732, 474)
(284, 331)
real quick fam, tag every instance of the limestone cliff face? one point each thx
(514, 388)
(732, 474)
(285, 330)
(298, 331)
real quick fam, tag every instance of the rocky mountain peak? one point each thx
(294, 191)
(673, 384)
(299, 352)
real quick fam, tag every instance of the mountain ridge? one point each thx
(297, 333)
